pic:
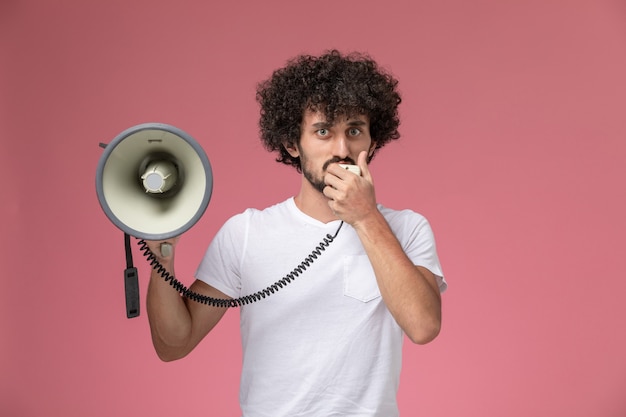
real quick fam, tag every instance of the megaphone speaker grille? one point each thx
(156, 152)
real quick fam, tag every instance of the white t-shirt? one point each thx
(324, 344)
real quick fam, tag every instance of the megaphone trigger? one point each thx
(166, 250)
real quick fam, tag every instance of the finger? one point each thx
(335, 170)
(332, 180)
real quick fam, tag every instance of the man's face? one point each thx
(322, 144)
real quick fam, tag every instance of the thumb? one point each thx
(362, 163)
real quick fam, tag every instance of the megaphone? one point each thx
(153, 182)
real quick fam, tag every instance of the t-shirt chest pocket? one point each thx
(359, 280)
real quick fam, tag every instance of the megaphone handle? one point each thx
(131, 282)
(166, 250)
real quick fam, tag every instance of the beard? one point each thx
(315, 181)
(318, 181)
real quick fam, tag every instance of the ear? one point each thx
(291, 148)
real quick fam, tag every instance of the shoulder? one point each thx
(243, 219)
(407, 224)
(402, 217)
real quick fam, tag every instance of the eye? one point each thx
(354, 131)
(322, 132)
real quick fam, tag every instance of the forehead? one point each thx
(315, 117)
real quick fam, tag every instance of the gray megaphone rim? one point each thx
(110, 147)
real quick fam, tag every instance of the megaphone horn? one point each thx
(154, 181)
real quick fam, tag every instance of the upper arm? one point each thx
(430, 278)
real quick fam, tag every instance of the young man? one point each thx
(329, 340)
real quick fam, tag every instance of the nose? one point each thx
(340, 146)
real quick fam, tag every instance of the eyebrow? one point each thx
(321, 125)
(325, 125)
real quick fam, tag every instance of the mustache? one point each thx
(335, 159)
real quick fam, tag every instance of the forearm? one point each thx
(410, 293)
(169, 317)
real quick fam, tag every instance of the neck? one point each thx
(313, 203)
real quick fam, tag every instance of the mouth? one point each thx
(345, 161)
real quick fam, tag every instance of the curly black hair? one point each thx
(333, 84)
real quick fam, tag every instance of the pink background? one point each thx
(514, 146)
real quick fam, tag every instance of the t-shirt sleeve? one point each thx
(421, 248)
(220, 265)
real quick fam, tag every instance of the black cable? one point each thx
(247, 299)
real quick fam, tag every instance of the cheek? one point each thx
(314, 167)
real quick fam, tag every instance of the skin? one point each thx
(327, 193)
